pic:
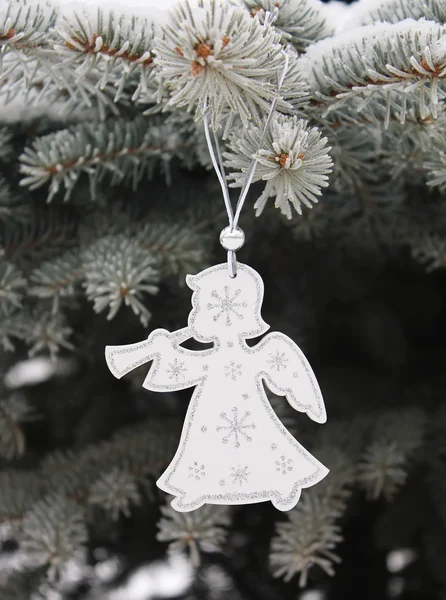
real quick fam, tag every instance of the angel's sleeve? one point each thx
(174, 367)
(288, 373)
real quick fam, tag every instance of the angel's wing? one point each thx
(288, 373)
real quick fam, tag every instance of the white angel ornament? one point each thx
(233, 448)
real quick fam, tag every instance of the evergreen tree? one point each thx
(108, 199)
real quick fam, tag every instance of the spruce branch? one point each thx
(46, 234)
(53, 90)
(119, 271)
(215, 55)
(310, 533)
(382, 64)
(354, 148)
(20, 492)
(57, 278)
(203, 530)
(429, 250)
(394, 11)
(385, 462)
(47, 332)
(434, 162)
(6, 148)
(53, 533)
(141, 451)
(25, 27)
(293, 160)
(295, 90)
(13, 207)
(13, 327)
(120, 149)
(14, 411)
(12, 285)
(115, 491)
(180, 248)
(300, 22)
(117, 47)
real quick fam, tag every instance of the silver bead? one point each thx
(232, 238)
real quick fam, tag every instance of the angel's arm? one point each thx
(174, 367)
(288, 373)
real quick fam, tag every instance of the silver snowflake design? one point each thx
(278, 360)
(236, 427)
(245, 396)
(284, 464)
(232, 370)
(196, 471)
(240, 474)
(273, 446)
(227, 305)
(204, 429)
(222, 482)
(176, 370)
(205, 367)
(295, 374)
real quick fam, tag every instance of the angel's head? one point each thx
(225, 307)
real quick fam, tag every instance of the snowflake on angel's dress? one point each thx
(176, 370)
(284, 464)
(240, 474)
(236, 427)
(232, 370)
(197, 471)
(227, 305)
(278, 360)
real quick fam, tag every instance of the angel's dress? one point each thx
(233, 448)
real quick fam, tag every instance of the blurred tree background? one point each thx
(108, 199)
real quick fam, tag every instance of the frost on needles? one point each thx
(96, 102)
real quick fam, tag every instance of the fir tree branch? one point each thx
(383, 63)
(118, 271)
(300, 22)
(119, 149)
(394, 11)
(203, 530)
(115, 46)
(396, 438)
(217, 56)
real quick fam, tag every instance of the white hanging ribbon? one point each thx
(217, 162)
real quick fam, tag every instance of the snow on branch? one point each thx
(44, 509)
(215, 54)
(368, 12)
(120, 47)
(25, 26)
(121, 149)
(390, 63)
(300, 22)
(293, 160)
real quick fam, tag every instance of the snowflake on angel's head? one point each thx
(278, 360)
(176, 370)
(227, 305)
(240, 474)
(236, 427)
